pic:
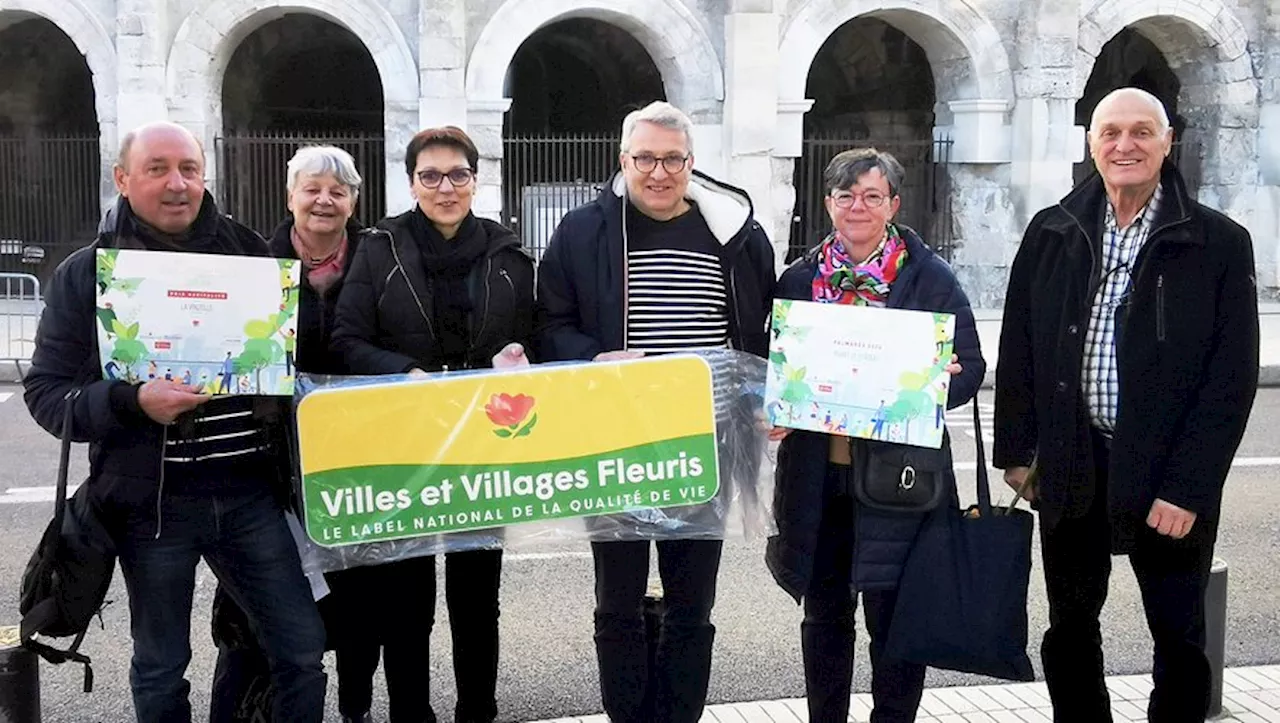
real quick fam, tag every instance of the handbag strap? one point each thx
(64, 459)
(984, 483)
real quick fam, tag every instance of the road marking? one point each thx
(4, 396)
(521, 556)
(32, 495)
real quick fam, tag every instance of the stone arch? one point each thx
(681, 48)
(210, 35)
(92, 39)
(968, 58)
(1206, 45)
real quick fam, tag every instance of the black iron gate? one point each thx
(49, 200)
(252, 170)
(545, 177)
(925, 192)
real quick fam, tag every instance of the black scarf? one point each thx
(448, 263)
(205, 235)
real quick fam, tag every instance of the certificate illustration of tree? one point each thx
(858, 371)
(225, 324)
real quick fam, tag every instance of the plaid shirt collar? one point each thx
(1145, 215)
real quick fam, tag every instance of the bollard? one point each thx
(19, 680)
(1215, 628)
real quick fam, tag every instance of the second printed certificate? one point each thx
(860, 371)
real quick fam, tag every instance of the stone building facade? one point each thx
(1008, 82)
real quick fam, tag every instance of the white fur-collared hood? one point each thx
(727, 210)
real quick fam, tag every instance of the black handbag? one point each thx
(66, 580)
(899, 478)
(962, 598)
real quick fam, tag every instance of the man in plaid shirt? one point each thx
(1130, 421)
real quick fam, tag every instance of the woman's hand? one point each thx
(954, 367)
(512, 356)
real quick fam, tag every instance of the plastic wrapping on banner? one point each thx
(668, 447)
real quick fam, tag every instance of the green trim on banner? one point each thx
(394, 502)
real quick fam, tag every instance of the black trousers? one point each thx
(389, 610)
(683, 661)
(828, 632)
(1172, 575)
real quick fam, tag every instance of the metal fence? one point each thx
(49, 200)
(253, 174)
(925, 192)
(20, 306)
(545, 177)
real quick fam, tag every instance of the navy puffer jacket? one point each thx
(882, 540)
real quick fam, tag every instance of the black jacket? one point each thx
(582, 278)
(125, 445)
(384, 315)
(317, 313)
(1187, 354)
(882, 540)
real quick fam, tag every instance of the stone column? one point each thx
(788, 145)
(141, 56)
(982, 215)
(442, 63)
(750, 111)
(1265, 225)
(484, 125)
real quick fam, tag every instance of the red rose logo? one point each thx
(508, 412)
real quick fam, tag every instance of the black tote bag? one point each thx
(962, 598)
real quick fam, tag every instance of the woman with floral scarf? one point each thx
(829, 547)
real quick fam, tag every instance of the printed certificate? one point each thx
(228, 324)
(860, 371)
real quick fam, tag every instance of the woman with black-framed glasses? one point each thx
(438, 289)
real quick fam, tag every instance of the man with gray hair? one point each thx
(177, 476)
(1127, 370)
(603, 294)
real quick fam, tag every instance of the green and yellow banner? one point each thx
(425, 457)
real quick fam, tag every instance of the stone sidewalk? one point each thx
(1250, 695)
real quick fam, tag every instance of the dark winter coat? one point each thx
(1186, 348)
(582, 279)
(384, 314)
(318, 312)
(125, 445)
(882, 539)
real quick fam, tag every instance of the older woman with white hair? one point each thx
(322, 186)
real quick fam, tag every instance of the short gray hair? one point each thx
(323, 161)
(1157, 107)
(848, 166)
(659, 113)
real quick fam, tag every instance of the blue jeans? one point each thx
(247, 544)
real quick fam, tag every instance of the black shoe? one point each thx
(363, 718)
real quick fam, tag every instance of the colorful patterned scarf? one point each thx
(838, 280)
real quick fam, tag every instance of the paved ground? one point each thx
(1250, 695)
(548, 659)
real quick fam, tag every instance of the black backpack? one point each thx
(66, 581)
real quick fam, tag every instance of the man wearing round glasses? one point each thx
(665, 260)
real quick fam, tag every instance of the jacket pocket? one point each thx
(1160, 334)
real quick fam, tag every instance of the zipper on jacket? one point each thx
(488, 292)
(1160, 308)
(414, 292)
(164, 444)
(626, 279)
(737, 316)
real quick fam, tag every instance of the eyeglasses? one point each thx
(431, 178)
(870, 199)
(646, 163)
